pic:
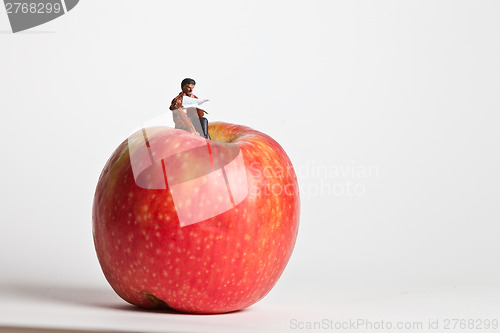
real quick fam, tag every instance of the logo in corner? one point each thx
(26, 14)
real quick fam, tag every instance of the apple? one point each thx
(196, 225)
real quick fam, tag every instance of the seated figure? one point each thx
(190, 119)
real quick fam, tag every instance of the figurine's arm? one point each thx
(201, 112)
(184, 120)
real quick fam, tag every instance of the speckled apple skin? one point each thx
(221, 264)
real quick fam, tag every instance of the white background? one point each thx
(407, 89)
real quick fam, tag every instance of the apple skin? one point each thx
(223, 263)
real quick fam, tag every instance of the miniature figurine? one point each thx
(189, 119)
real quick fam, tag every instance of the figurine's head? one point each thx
(187, 86)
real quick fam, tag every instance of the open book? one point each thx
(189, 102)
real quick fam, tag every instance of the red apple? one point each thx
(196, 225)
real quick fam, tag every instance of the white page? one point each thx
(189, 102)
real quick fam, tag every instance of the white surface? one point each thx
(399, 174)
(91, 308)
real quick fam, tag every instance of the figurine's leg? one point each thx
(204, 127)
(196, 121)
